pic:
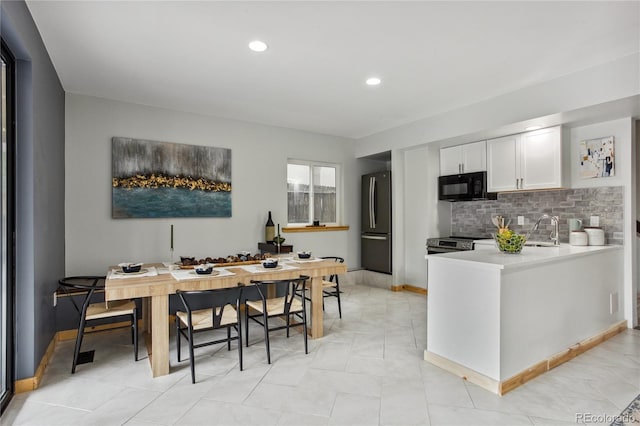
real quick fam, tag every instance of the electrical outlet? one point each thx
(594, 221)
(520, 220)
(613, 303)
(55, 299)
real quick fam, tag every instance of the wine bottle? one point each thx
(269, 230)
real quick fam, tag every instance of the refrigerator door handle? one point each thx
(373, 202)
(370, 202)
(373, 237)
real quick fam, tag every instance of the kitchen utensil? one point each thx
(498, 221)
(574, 224)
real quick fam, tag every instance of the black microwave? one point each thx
(464, 187)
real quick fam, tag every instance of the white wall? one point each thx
(491, 118)
(625, 175)
(423, 216)
(259, 156)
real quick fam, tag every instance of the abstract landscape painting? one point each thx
(160, 179)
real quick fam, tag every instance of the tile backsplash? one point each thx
(473, 218)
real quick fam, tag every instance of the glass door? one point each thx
(7, 206)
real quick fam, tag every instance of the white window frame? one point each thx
(339, 190)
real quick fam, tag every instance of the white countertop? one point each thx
(528, 257)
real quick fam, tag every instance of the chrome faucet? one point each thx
(555, 234)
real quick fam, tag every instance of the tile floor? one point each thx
(367, 370)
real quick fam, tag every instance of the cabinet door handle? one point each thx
(462, 165)
(521, 183)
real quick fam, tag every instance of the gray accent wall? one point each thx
(40, 247)
(473, 218)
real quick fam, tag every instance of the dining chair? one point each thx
(288, 303)
(223, 311)
(331, 285)
(88, 286)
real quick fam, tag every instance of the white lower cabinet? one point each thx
(531, 160)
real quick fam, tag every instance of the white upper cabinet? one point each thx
(451, 160)
(503, 163)
(541, 159)
(468, 158)
(529, 160)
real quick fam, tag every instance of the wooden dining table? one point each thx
(155, 290)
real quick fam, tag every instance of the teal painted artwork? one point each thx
(160, 179)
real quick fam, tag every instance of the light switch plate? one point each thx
(594, 221)
(520, 220)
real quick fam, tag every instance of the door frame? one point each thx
(9, 261)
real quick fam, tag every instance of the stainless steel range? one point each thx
(449, 244)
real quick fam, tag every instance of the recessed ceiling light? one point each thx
(533, 128)
(258, 46)
(373, 81)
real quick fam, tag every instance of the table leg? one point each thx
(146, 315)
(317, 329)
(159, 335)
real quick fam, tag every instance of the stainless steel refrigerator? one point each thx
(376, 222)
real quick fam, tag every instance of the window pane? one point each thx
(298, 196)
(324, 194)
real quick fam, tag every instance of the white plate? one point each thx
(140, 272)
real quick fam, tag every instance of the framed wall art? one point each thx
(160, 179)
(597, 158)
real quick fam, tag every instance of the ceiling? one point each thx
(432, 57)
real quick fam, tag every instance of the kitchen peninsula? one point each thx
(499, 320)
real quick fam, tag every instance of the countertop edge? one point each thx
(523, 262)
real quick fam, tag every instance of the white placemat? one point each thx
(255, 269)
(163, 270)
(144, 272)
(190, 274)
